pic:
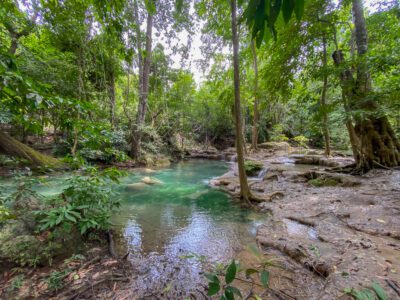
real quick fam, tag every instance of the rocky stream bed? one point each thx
(330, 231)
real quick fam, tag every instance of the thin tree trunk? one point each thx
(111, 96)
(254, 137)
(143, 92)
(245, 193)
(325, 121)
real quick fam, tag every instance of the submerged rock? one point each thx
(136, 186)
(150, 180)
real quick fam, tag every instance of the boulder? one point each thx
(150, 180)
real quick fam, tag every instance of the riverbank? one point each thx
(95, 274)
(330, 231)
(327, 231)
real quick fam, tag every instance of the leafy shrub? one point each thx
(277, 134)
(301, 140)
(5, 214)
(75, 162)
(23, 248)
(86, 204)
(17, 282)
(56, 279)
(252, 167)
(152, 142)
(62, 148)
(222, 280)
(375, 291)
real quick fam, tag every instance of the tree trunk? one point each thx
(325, 121)
(374, 141)
(111, 96)
(143, 91)
(244, 187)
(254, 136)
(12, 147)
(378, 142)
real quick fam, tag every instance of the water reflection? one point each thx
(162, 222)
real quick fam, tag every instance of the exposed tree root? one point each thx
(302, 221)
(394, 285)
(300, 256)
(266, 198)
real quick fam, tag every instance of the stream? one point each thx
(174, 228)
(171, 228)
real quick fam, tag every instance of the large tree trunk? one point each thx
(325, 122)
(254, 135)
(375, 143)
(378, 142)
(244, 187)
(12, 147)
(143, 91)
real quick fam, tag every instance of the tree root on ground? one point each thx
(320, 268)
(266, 198)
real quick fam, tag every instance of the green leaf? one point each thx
(275, 10)
(213, 288)
(212, 277)
(299, 9)
(59, 219)
(264, 277)
(230, 272)
(234, 291)
(249, 272)
(287, 9)
(69, 217)
(229, 295)
(150, 6)
(379, 291)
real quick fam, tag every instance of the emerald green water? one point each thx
(184, 214)
(160, 223)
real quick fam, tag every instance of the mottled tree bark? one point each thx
(373, 140)
(244, 187)
(325, 121)
(378, 142)
(254, 136)
(143, 90)
(111, 96)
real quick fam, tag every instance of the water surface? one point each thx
(163, 223)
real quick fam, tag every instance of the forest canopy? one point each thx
(111, 80)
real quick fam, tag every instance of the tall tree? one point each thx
(254, 137)
(325, 122)
(375, 143)
(245, 193)
(143, 86)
